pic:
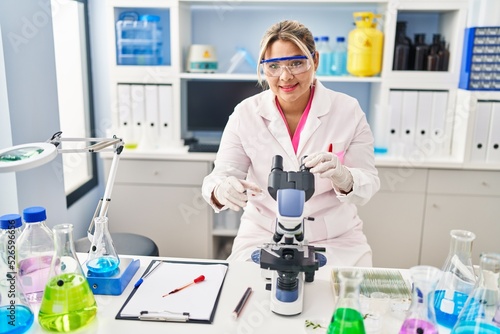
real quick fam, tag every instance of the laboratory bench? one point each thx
(158, 194)
(256, 317)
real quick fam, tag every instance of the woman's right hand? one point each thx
(232, 192)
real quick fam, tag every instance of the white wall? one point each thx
(29, 104)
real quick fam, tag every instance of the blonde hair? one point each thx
(292, 31)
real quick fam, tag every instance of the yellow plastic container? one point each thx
(364, 46)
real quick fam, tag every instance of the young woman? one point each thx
(296, 117)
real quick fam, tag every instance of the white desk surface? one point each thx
(256, 317)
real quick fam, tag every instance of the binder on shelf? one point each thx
(150, 300)
(493, 149)
(395, 110)
(409, 120)
(166, 114)
(424, 121)
(138, 112)
(151, 131)
(439, 138)
(480, 132)
(125, 125)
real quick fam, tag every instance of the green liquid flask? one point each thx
(347, 318)
(480, 313)
(68, 302)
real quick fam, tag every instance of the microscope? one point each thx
(291, 261)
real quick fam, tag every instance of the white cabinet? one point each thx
(458, 199)
(160, 197)
(393, 218)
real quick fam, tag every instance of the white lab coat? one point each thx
(256, 132)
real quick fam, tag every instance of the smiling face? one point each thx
(289, 88)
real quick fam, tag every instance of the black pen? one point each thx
(139, 282)
(242, 302)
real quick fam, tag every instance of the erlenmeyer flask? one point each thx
(481, 311)
(102, 257)
(16, 315)
(420, 318)
(458, 279)
(68, 302)
(347, 318)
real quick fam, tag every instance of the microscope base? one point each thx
(284, 307)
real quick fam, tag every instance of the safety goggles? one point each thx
(274, 67)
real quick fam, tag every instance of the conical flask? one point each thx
(420, 318)
(458, 279)
(347, 318)
(481, 312)
(16, 315)
(68, 302)
(102, 257)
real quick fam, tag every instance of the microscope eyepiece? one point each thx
(277, 163)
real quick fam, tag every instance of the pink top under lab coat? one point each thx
(255, 133)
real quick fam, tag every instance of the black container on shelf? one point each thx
(402, 47)
(444, 56)
(421, 53)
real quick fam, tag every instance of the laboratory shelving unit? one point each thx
(417, 190)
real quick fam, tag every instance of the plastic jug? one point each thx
(364, 46)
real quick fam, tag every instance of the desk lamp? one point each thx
(114, 278)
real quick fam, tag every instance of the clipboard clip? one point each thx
(164, 316)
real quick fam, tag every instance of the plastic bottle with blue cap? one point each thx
(10, 230)
(15, 312)
(35, 250)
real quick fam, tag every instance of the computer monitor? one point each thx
(209, 104)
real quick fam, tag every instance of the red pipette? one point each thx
(198, 279)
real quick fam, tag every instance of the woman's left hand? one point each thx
(327, 165)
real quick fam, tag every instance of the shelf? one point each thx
(253, 77)
(224, 233)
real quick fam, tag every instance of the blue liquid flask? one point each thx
(325, 56)
(457, 281)
(480, 313)
(16, 315)
(102, 258)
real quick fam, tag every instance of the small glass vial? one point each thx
(420, 318)
(102, 258)
(10, 230)
(347, 317)
(458, 279)
(35, 249)
(481, 313)
(68, 302)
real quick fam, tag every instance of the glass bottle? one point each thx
(35, 249)
(102, 257)
(347, 318)
(10, 230)
(421, 52)
(458, 279)
(68, 302)
(481, 312)
(16, 315)
(401, 48)
(420, 318)
(339, 57)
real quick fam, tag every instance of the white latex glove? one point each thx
(233, 192)
(327, 165)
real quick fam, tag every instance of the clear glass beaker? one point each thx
(480, 313)
(457, 281)
(420, 318)
(102, 257)
(16, 315)
(68, 302)
(347, 317)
